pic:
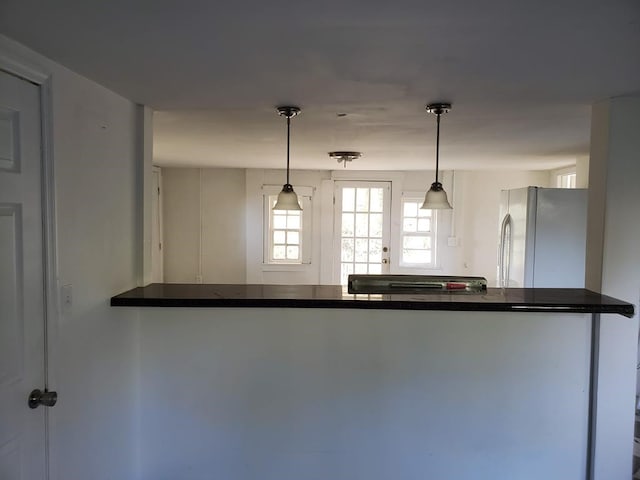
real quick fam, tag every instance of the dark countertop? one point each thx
(567, 300)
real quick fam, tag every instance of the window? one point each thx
(566, 179)
(287, 232)
(418, 235)
(285, 239)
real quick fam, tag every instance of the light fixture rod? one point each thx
(438, 109)
(288, 112)
(288, 144)
(437, 143)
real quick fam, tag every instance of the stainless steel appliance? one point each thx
(542, 237)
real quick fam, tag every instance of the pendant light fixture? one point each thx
(287, 198)
(436, 197)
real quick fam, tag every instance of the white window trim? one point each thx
(418, 197)
(305, 195)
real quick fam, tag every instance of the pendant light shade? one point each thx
(287, 198)
(436, 197)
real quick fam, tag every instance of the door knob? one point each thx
(38, 397)
(385, 260)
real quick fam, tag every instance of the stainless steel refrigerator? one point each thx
(542, 238)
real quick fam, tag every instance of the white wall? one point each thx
(613, 267)
(472, 226)
(204, 225)
(94, 349)
(286, 394)
(582, 172)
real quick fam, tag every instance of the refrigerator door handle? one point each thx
(503, 267)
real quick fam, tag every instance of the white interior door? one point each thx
(362, 226)
(22, 359)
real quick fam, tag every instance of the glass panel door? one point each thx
(361, 213)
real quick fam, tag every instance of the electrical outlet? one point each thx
(198, 278)
(452, 241)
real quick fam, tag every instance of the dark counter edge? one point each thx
(130, 299)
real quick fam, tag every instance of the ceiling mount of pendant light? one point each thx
(436, 197)
(287, 198)
(345, 156)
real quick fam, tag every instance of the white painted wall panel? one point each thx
(613, 233)
(204, 225)
(223, 226)
(181, 224)
(95, 156)
(284, 394)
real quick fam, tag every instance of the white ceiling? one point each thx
(521, 75)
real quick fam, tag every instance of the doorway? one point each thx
(23, 442)
(362, 228)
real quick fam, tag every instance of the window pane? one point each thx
(362, 250)
(375, 251)
(425, 213)
(293, 253)
(375, 229)
(375, 268)
(362, 200)
(377, 196)
(347, 224)
(410, 209)
(293, 222)
(348, 199)
(279, 221)
(423, 243)
(347, 250)
(278, 236)
(362, 225)
(409, 225)
(416, 256)
(346, 270)
(424, 224)
(361, 268)
(279, 252)
(293, 238)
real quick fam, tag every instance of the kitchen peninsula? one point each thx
(288, 382)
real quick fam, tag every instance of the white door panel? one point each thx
(22, 430)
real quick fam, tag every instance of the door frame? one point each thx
(157, 224)
(337, 221)
(16, 61)
(327, 234)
